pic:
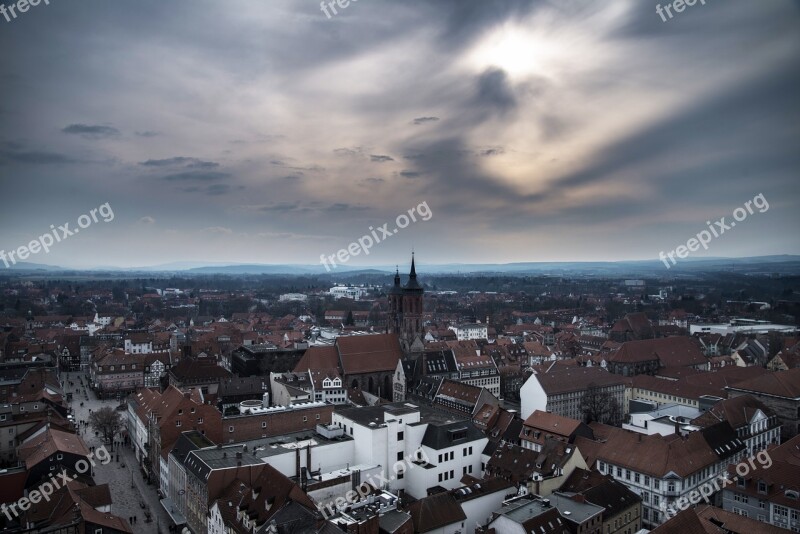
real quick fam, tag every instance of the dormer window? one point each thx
(762, 486)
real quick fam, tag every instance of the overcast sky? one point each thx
(263, 131)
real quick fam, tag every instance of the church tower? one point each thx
(406, 307)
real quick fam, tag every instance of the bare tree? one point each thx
(600, 406)
(107, 421)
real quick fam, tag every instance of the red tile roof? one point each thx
(369, 354)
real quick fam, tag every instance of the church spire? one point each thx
(413, 273)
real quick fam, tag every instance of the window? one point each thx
(738, 497)
(399, 455)
(192, 410)
(440, 477)
(263, 424)
(180, 412)
(230, 429)
(470, 450)
(400, 475)
(399, 436)
(655, 500)
(199, 420)
(619, 471)
(177, 423)
(451, 473)
(452, 454)
(656, 483)
(122, 367)
(305, 419)
(636, 478)
(671, 486)
(59, 456)
(440, 458)
(762, 486)
(317, 417)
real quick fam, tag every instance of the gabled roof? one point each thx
(658, 455)
(677, 351)
(318, 358)
(368, 354)
(435, 512)
(48, 443)
(552, 423)
(705, 519)
(738, 411)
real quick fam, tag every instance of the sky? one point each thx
(265, 131)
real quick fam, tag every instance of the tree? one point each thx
(107, 421)
(600, 406)
(349, 320)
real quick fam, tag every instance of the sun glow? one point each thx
(518, 52)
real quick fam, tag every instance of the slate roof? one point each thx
(439, 437)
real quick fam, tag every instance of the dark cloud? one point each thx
(195, 176)
(180, 161)
(424, 120)
(91, 131)
(493, 151)
(410, 174)
(218, 189)
(373, 181)
(343, 207)
(379, 158)
(148, 133)
(494, 92)
(36, 157)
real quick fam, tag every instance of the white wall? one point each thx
(532, 397)
(479, 511)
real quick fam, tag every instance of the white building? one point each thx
(290, 297)
(349, 292)
(664, 469)
(666, 420)
(138, 344)
(471, 331)
(387, 435)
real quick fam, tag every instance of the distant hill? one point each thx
(782, 264)
(28, 266)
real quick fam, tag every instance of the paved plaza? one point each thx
(129, 490)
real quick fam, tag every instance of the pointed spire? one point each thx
(413, 273)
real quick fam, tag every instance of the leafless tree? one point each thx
(600, 406)
(107, 421)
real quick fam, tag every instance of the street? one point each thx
(128, 488)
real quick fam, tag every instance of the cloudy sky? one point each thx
(265, 131)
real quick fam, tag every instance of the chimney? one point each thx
(239, 455)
